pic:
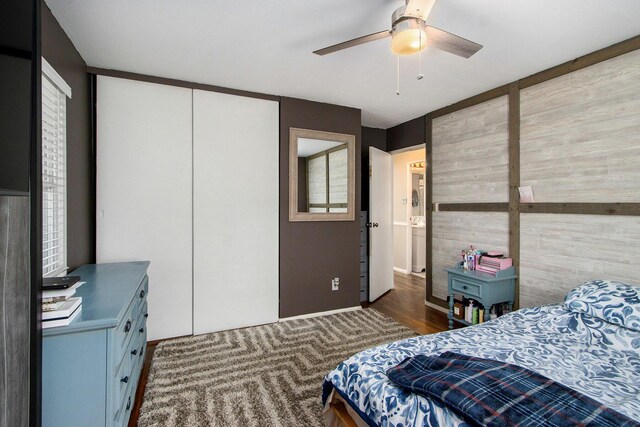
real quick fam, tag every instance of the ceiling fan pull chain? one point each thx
(420, 75)
(398, 76)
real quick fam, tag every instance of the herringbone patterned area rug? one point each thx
(267, 375)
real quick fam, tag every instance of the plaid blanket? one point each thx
(489, 392)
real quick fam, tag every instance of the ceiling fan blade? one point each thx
(419, 8)
(354, 42)
(451, 43)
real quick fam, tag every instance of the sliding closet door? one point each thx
(144, 200)
(235, 188)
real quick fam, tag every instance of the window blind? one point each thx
(54, 179)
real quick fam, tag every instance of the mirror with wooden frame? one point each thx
(321, 176)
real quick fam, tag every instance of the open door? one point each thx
(380, 223)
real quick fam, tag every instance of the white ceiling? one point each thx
(265, 46)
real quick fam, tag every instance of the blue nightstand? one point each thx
(481, 287)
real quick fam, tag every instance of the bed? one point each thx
(591, 344)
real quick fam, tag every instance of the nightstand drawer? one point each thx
(468, 288)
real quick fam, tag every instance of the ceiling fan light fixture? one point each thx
(408, 37)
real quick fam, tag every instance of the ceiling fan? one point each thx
(410, 34)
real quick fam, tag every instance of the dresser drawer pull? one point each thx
(142, 293)
(141, 351)
(127, 326)
(465, 287)
(124, 380)
(141, 330)
(134, 352)
(129, 404)
(146, 315)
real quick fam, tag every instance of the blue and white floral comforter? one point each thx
(597, 358)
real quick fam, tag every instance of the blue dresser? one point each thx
(91, 367)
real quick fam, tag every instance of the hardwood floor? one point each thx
(142, 384)
(404, 303)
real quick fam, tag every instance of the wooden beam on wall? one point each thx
(471, 207)
(427, 203)
(470, 102)
(630, 209)
(601, 55)
(514, 181)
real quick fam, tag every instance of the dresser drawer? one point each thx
(140, 297)
(122, 380)
(125, 329)
(468, 288)
(141, 294)
(124, 411)
(128, 326)
(129, 369)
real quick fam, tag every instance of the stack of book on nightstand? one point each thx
(492, 265)
(59, 306)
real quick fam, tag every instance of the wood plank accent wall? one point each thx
(561, 251)
(470, 154)
(469, 185)
(454, 231)
(573, 133)
(580, 134)
(580, 144)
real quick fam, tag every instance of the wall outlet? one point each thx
(335, 284)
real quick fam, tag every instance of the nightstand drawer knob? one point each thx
(142, 293)
(134, 352)
(125, 380)
(141, 330)
(465, 287)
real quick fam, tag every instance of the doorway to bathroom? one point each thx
(409, 228)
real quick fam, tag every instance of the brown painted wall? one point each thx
(58, 50)
(371, 137)
(311, 253)
(407, 134)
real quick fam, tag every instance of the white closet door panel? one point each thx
(235, 264)
(144, 192)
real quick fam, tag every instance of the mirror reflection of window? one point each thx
(317, 183)
(338, 180)
(322, 176)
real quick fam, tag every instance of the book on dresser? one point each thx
(64, 282)
(55, 295)
(64, 320)
(59, 306)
